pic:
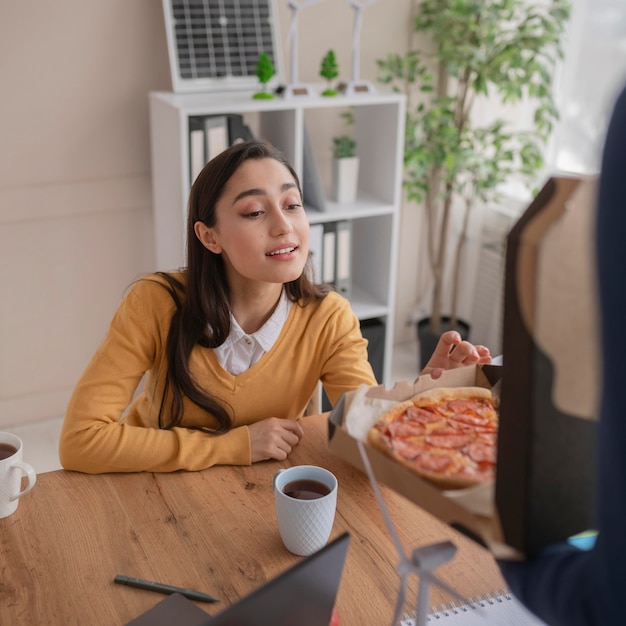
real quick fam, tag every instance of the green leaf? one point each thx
(495, 53)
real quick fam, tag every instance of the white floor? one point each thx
(41, 438)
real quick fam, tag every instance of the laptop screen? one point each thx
(304, 595)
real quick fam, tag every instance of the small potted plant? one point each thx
(264, 71)
(345, 165)
(344, 147)
(329, 70)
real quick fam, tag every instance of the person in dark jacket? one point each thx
(564, 585)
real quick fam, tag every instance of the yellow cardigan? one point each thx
(108, 429)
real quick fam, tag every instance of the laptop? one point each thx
(305, 595)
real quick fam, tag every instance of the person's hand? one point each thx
(273, 438)
(452, 351)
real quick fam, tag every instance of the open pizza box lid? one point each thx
(551, 369)
(471, 511)
(549, 380)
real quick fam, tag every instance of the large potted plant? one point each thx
(497, 52)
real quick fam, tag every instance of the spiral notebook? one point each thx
(495, 609)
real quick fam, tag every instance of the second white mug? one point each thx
(12, 468)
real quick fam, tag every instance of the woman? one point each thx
(233, 346)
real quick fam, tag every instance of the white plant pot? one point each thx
(345, 179)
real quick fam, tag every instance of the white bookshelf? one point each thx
(379, 131)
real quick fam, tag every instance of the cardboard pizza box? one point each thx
(471, 511)
(550, 383)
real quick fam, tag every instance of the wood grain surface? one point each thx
(214, 531)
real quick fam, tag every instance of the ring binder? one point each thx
(343, 258)
(495, 608)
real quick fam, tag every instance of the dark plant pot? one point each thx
(428, 340)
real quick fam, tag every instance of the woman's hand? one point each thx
(452, 351)
(273, 438)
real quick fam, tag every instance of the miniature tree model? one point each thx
(329, 70)
(264, 71)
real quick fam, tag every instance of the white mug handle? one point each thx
(280, 471)
(30, 474)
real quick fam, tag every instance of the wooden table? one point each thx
(214, 531)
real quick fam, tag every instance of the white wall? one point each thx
(588, 83)
(75, 204)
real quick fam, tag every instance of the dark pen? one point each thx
(163, 588)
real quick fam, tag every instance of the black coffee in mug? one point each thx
(306, 489)
(6, 450)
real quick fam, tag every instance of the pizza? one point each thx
(447, 435)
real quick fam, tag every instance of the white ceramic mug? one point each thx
(305, 524)
(12, 468)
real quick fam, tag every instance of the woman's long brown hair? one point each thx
(202, 315)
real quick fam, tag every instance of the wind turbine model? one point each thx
(423, 561)
(294, 89)
(356, 85)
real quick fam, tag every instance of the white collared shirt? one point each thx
(241, 351)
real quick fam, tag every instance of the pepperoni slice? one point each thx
(471, 420)
(476, 407)
(488, 428)
(482, 452)
(407, 449)
(450, 442)
(422, 416)
(433, 462)
(460, 426)
(448, 437)
(406, 429)
(488, 438)
(443, 431)
(460, 406)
